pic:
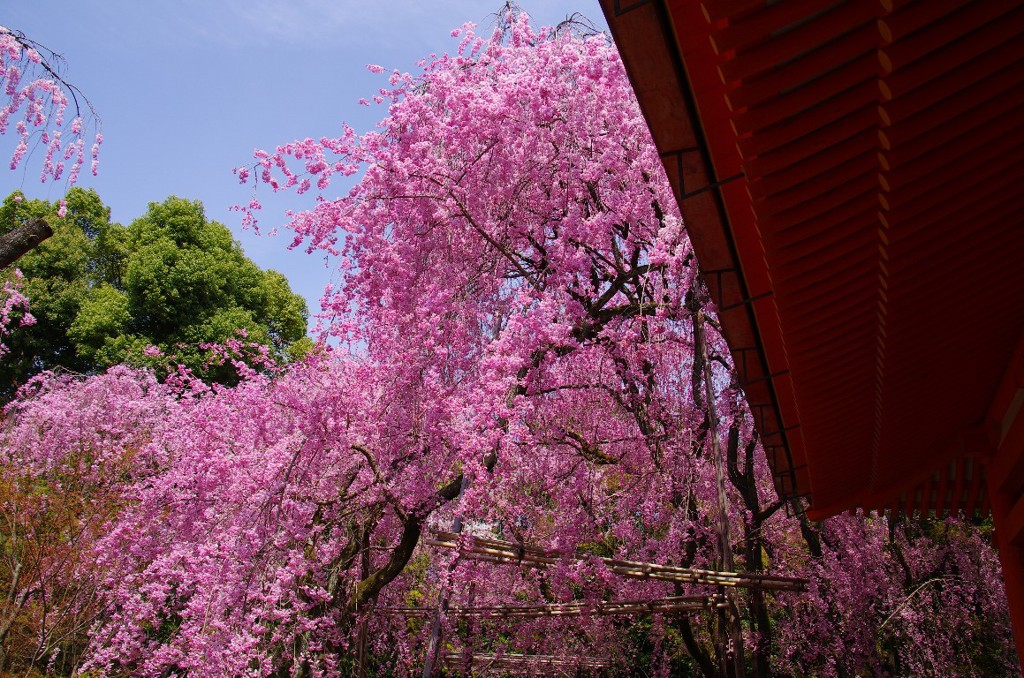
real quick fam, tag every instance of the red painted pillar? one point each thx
(1011, 555)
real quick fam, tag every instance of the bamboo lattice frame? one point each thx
(576, 608)
(504, 552)
(502, 661)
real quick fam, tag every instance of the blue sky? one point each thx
(187, 89)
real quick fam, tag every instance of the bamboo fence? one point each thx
(578, 608)
(508, 553)
(557, 665)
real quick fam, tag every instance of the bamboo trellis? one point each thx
(513, 661)
(576, 608)
(504, 552)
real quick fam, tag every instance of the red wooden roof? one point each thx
(850, 174)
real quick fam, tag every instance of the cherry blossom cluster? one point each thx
(36, 102)
(14, 307)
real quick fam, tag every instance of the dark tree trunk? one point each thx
(22, 240)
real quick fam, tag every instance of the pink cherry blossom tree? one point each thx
(66, 458)
(515, 328)
(12, 303)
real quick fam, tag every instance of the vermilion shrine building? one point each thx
(850, 175)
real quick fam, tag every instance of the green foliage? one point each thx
(102, 293)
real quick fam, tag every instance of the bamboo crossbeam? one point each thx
(512, 660)
(574, 609)
(503, 552)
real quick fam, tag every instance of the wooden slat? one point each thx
(717, 10)
(974, 260)
(805, 158)
(792, 232)
(809, 96)
(940, 168)
(899, 24)
(924, 250)
(974, 194)
(830, 275)
(817, 49)
(940, 177)
(759, 25)
(940, 34)
(766, 177)
(898, 149)
(784, 248)
(820, 127)
(814, 208)
(961, 52)
(823, 183)
(1005, 57)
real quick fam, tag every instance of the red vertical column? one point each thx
(1011, 555)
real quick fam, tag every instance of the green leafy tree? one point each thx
(103, 293)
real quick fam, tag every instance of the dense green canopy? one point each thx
(102, 292)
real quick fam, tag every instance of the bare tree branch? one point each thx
(22, 240)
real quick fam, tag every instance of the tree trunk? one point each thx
(730, 628)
